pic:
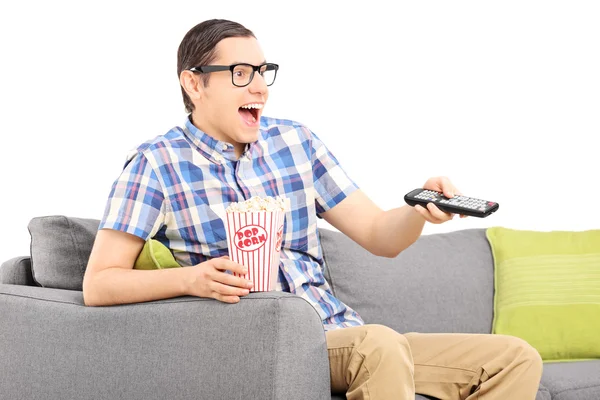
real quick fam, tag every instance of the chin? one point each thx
(249, 136)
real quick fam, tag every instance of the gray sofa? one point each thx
(268, 346)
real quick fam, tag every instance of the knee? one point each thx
(385, 340)
(524, 352)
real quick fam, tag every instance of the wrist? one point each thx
(186, 279)
(414, 213)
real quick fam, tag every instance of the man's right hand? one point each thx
(209, 279)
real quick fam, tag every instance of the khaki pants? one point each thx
(373, 362)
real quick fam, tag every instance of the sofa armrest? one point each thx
(268, 346)
(17, 271)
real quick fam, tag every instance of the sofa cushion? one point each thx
(573, 380)
(442, 283)
(60, 248)
(547, 290)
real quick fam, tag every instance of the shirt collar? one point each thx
(213, 149)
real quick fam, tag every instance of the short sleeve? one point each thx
(136, 203)
(332, 184)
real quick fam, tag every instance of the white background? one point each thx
(502, 97)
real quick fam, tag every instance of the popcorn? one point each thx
(254, 237)
(257, 203)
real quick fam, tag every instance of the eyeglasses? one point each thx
(242, 74)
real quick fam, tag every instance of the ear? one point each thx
(192, 84)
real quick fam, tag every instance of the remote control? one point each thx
(456, 205)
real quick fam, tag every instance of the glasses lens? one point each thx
(242, 75)
(268, 73)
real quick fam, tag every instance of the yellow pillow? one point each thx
(155, 255)
(547, 290)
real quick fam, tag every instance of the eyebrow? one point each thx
(244, 62)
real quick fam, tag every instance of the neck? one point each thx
(198, 123)
(239, 148)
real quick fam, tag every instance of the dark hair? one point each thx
(198, 47)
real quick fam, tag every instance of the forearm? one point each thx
(115, 285)
(395, 230)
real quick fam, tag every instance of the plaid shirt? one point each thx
(175, 188)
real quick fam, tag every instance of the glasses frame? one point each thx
(205, 69)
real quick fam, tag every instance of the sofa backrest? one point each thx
(442, 283)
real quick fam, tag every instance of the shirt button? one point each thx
(225, 147)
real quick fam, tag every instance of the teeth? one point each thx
(253, 105)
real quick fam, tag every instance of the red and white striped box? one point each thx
(254, 240)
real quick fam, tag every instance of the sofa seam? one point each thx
(36, 298)
(130, 304)
(18, 259)
(304, 300)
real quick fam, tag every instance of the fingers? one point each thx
(228, 288)
(447, 187)
(227, 299)
(212, 279)
(222, 290)
(230, 280)
(225, 264)
(225, 284)
(438, 214)
(449, 190)
(442, 184)
(433, 214)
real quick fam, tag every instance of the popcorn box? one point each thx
(254, 240)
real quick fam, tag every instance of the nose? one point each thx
(258, 84)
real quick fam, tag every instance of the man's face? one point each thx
(227, 112)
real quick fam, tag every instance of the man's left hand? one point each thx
(432, 213)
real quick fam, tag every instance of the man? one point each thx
(175, 188)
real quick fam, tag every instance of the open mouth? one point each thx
(250, 112)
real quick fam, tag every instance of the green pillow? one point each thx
(155, 255)
(547, 290)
